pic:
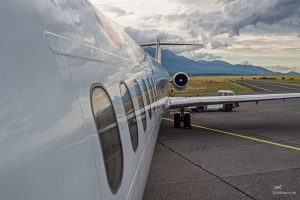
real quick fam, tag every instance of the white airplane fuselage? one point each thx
(51, 53)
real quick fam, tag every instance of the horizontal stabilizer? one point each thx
(158, 44)
(170, 44)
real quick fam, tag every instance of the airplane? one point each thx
(80, 103)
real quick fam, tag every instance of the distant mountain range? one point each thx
(174, 63)
(293, 73)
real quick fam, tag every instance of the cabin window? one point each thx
(141, 104)
(154, 89)
(157, 88)
(151, 90)
(130, 115)
(109, 137)
(146, 92)
(147, 83)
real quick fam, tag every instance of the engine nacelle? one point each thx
(180, 80)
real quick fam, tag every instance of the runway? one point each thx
(269, 87)
(243, 154)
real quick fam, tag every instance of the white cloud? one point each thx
(117, 11)
(200, 55)
(150, 35)
(284, 69)
(245, 63)
(266, 29)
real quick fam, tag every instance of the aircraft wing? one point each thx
(179, 102)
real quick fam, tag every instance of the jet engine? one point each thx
(180, 80)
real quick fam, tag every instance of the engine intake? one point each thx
(180, 80)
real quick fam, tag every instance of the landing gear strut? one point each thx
(184, 117)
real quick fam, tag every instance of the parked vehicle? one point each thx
(223, 107)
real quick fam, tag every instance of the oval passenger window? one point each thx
(130, 115)
(109, 136)
(141, 104)
(146, 92)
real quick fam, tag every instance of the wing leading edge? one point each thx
(179, 102)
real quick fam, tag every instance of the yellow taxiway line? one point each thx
(242, 136)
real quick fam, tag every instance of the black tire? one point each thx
(187, 120)
(228, 107)
(200, 109)
(177, 120)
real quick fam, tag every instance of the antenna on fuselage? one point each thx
(158, 44)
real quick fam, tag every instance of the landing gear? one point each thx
(184, 117)
(177, 120)
(187, 120)
(228, 107)
(200, 109)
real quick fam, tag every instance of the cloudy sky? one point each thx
(258, 32)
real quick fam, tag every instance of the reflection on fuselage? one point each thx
(80, 104)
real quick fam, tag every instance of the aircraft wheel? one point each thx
(200, 109)
(187, 120)
(177, 120)
(228, 107)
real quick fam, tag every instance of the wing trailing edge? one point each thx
(179, 102)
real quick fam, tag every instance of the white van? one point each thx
(224, 107)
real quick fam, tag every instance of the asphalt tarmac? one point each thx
(269, 87)
(250, 153)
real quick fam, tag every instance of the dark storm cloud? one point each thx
(240, 13)
(230, 16)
